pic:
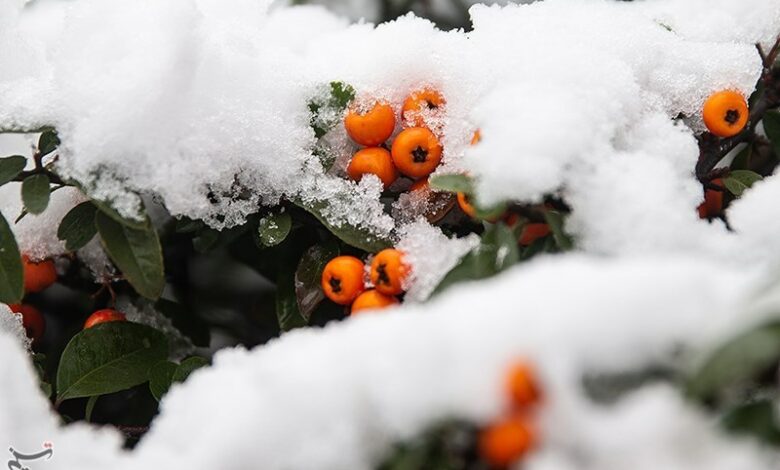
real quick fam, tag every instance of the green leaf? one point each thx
(287, 312)
(10, 167)
(187, 367)
(453, 183)
(11, 272)
(341, 94)
(187, 225)
(308, 290)
(161, 378)
(756, 419)
(326, 113)
(90, 408)
(107, 358)
(106, 208)
(349, 234)
(36, 193)
(48, 142)
(136, 252)
(737, 361)
(742, 160)
(78, 226)
(739, 180)
(772, 129)
(273, 229)
(497, 251)
(555, 220)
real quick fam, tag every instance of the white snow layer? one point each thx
(203, 104)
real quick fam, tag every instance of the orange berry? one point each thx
(104, 316)
(725, 113)
(419, 102)
(476, 137)
(371, 128)
(522, 385)
(376, 161)
(32, 320)
(419, 185)
(506, 441)
(713, 202)
(465, 205)
(532, 232)
(342, 279)
(388, 272)
(416, 152)
(38, 276)
(373, 300)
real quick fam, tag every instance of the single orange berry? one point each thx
(713, 202)
(506, 441)
(371, 128)
(522, 385)
(32, 321)
(342, 279)
(725, 113)
(372, 300)
(476, 137)
(416, 152)
(532, 232)
(418, 104)
(38, 276)
(466, 206)
(104, 316)
(388, 271)
(376, 161)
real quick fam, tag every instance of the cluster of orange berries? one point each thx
(39, 276)
(344, 280)
(415, 152)
(511, 437)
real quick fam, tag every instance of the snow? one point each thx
(202, 106)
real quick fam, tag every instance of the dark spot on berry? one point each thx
(335, 284)
(431, 105)
(383, 277)
(419, 155)
(732, 116)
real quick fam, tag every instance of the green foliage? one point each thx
(772, 128)
(308, 292)
(36, 193)
(757, 419)
(273, 229)
(739, 180)
(77, 228)
(555, 220)
(354, 236)
(166, 373)
(737, 362)
(446, 446)
(326, 113)
(496, 252)
(287, 311)
(48, 142)
(11, 272)
(453, 183)
(136, 252)
(11, 167)
(107, 358)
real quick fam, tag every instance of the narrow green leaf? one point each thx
(772, 128)
(161, 378)
(453, 183)
(78, 226)
(11, 272)
(555, 220)
(273, 229)
(136, 252)
(10, 167)
(107, 358)
(349, 234)
(308, 290)
(36, 193)
(737, 361)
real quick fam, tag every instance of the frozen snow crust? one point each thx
(203, 105)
